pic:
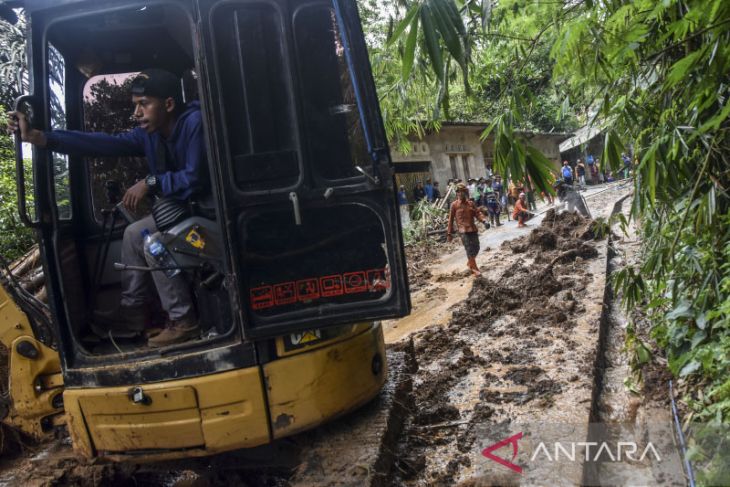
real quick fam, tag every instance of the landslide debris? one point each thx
(533, 302)
(463, 380)
(419, 259)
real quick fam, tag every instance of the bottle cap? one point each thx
(145, 233)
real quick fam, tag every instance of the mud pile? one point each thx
(419, 258)
(558, 231)
(56, 465)
(489, 358)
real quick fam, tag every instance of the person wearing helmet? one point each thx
(170, 136)
(463, 212)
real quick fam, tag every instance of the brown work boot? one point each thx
(152, 332)
(178, 331)
(122, 321)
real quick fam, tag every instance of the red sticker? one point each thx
(377, 280)
(307, 289)
(262, 297)
(285, 293)
(331, 285)
(355, 282)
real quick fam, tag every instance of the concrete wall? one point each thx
(458, 145)
(457, 151)
(547, 144)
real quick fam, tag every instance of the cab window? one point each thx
(92, 61)
(107, 109)
(335, 141)
(57, 88)
(256, 95)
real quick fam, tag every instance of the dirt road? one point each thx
(522, 346)
(516, 344)
(445, 281)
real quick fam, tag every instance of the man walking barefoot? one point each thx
(463, 211)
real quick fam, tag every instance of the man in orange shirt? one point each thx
(521, 214)
(463, 211)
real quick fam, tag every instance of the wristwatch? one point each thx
(151, 181)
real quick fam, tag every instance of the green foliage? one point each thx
(513, 158)
(13, 62)
(512, 69)
(657, 75)
(601, 228)
(15, 239)
(425, 217)
(630, 283)
(443, 37)
(464, 61)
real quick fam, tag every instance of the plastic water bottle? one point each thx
(159, 252)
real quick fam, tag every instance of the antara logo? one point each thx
(624, 451)
(487, 452)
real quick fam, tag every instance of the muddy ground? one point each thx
(631, 393)
(518, 344)
(511, 350)
(420, 260)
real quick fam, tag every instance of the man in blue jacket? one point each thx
(170, 136)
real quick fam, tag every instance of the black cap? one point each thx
(158, 83)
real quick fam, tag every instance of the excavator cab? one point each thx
(295, 256)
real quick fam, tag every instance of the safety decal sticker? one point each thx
(308, 289)
(195, 239)
(355, 282)
(331, 285)
(305, 337)
(285, 293)
(311, 289)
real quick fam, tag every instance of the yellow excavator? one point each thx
(291, 272)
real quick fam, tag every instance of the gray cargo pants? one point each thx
(174, 292)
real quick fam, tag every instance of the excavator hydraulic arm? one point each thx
(31, 395)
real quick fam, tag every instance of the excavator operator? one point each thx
(170, 135)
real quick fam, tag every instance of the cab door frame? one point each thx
(374, 186)
(79, 368)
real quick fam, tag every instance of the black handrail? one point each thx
(20, 169)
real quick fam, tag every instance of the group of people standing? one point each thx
(490, 194)
(591, 171)
(430, 191)
(479, 200)
(485, 199)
